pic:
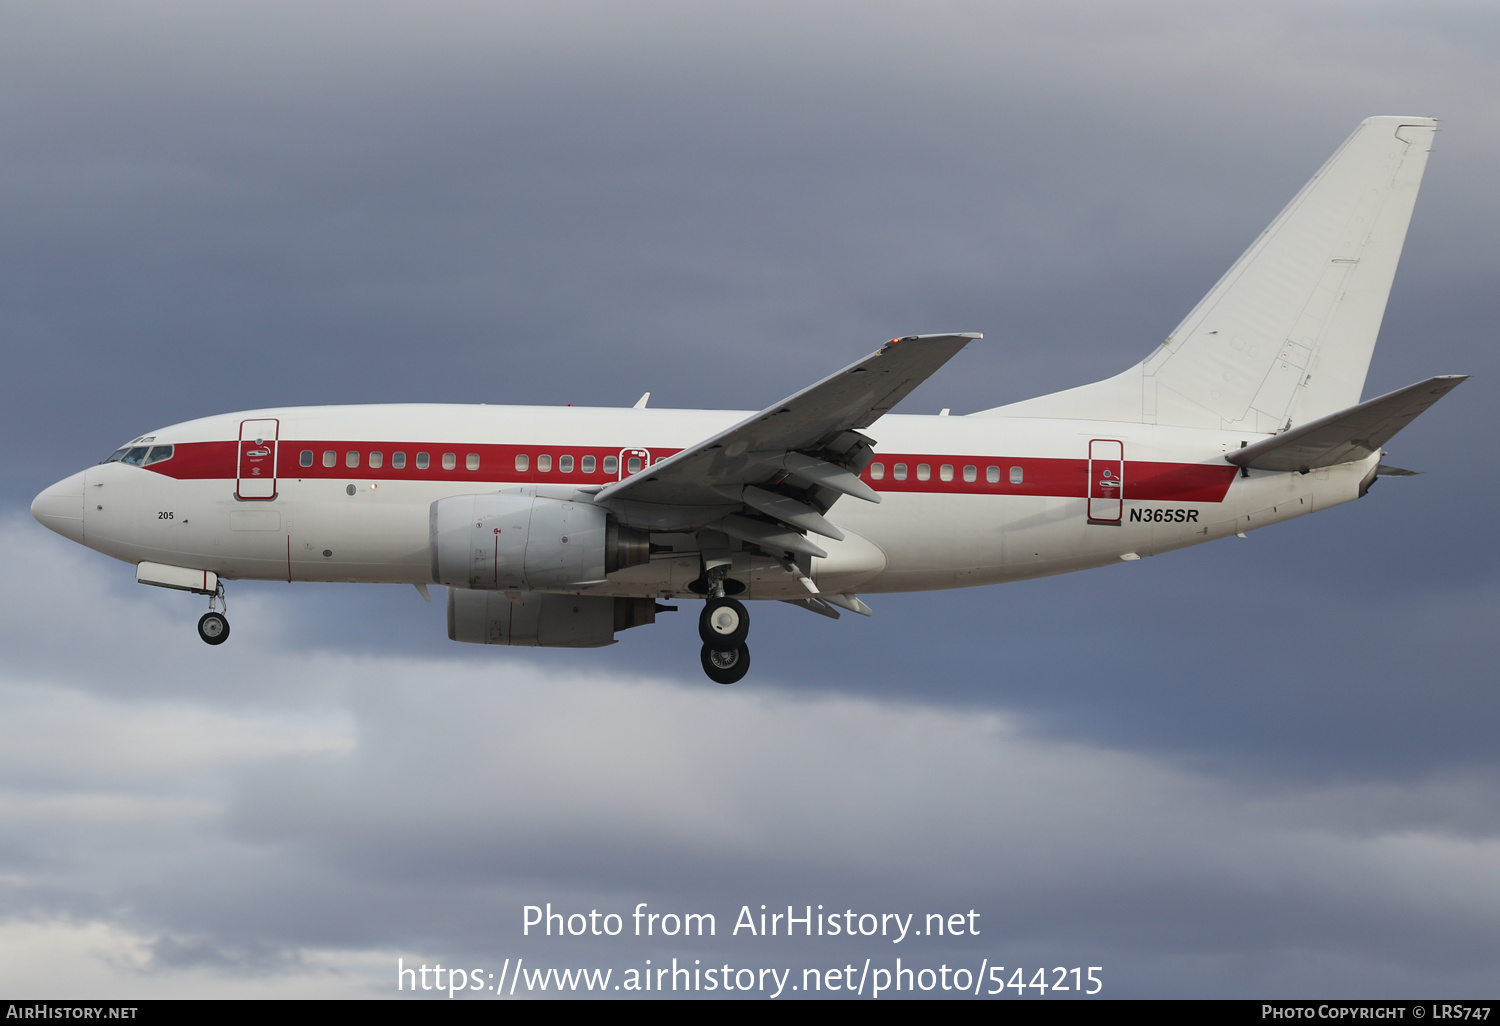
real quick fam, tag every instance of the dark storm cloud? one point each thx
(1262, 764)
(236, 206)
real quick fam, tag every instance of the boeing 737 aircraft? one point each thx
(562, 527)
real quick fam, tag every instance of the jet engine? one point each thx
(514, 541)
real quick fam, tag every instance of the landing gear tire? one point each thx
(213, 628)
(726, 666)
(724, 624)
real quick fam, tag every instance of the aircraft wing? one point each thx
(796, 457)
(1350, 434)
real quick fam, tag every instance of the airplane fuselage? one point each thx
(343, 494)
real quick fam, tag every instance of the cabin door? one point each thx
(1106, 480)
(256, 470)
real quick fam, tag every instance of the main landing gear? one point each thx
(213, 626)
(726, 667)
(723, 625)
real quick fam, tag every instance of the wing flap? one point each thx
(771, 537)
(821, 472)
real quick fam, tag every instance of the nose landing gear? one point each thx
(213, 626)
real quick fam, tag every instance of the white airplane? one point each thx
(563, 526)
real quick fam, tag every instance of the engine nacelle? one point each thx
(533, 618)
(515, 541)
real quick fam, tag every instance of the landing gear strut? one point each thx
(213, 626)
(723, 625)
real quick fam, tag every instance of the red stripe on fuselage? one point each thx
(1178, 482)
(1144, 481)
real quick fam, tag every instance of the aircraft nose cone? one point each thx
(60, 508)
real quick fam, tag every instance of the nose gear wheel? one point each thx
(213, 628)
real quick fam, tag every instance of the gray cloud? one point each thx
(293, 818)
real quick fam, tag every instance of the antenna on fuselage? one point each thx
(640, 404)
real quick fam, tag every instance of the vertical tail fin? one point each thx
(1287, 334)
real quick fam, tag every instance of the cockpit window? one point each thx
(136, 456)
(157, 454)
(118, 455)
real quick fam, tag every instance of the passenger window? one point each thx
(135, 457)
(398, 460)
(423, 461)
(611, 464)
(471, 461)
(565, 464)
(523, 462)
(157, 454)
(971, 473)
(544, 464)
(588, 464)
(945, 472)
(449, 461)
(306, 458)
(992, 475)
(351, 458)
(633, 465)
(900, 472)
(376, 459)
(877, 471)
(1016, 475)
(924, 472)
(330, 458)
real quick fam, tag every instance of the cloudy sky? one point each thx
(1263, 767)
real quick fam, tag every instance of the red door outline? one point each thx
(1106, 480)
(644, 455)
(255, 467)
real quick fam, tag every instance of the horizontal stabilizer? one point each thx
(1348, 435)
